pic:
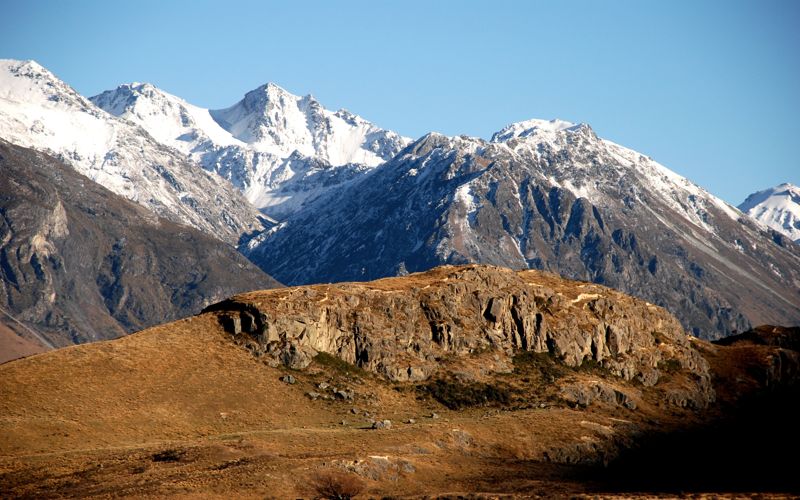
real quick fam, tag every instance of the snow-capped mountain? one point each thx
(549, 195)
(777, 208)
(277, 148)
(40, 111)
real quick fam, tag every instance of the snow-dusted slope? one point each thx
(40, 111)
(278, 148)
(546, 195)
(777, 208)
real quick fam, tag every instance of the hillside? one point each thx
(80, 263)
(190, 409)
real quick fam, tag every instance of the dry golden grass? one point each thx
(181, 410)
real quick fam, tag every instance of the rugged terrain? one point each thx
(201, 407)
(80, 263)
(552, 196)
(39, 111)
(343, 199)
(277, 148)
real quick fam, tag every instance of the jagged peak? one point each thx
(536, 126)
(436, 140)
(25, 64)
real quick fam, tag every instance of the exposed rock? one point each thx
(344, 395)
(399, 327)
(382, 424)
(289, 379)
(584, 394)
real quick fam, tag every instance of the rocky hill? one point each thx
(402, 328)
(80, 263)
(551, 196)
(468, 381)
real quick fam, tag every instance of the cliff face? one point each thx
(404, 327)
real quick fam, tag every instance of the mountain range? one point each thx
(277, 148)
(546, 195)
(311, 195)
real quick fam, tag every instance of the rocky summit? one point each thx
(402, 328)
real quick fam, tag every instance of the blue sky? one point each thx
(708, 88)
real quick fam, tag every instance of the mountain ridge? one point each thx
(561, 200)
(40, 111)
(80, 263)
(277, 148)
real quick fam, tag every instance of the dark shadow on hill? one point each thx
(752, 449)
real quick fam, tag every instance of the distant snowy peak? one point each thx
(277, 148)
(168, 118)
(39, 111)
(275, 121)
(777, 208)
(28, 81)
(534, 127)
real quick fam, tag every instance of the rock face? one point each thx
(79, 263)
(403, 327)
(550, 196)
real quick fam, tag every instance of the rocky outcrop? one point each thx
(402, 328)
(79, 263)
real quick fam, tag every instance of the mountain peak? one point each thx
(28, 81)
(535, 127)
(778, 208)
(22, 65)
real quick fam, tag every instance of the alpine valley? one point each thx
(312, 196)
(540, 314)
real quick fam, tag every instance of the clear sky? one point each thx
(708, 88)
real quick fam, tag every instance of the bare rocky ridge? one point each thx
(548, 196)
(402, 328)
(79, 263)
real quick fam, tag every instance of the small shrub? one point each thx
(669, 366)
(168, 456)
(339, 365)
(541, 362)
(336, 485)
(455, 395)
